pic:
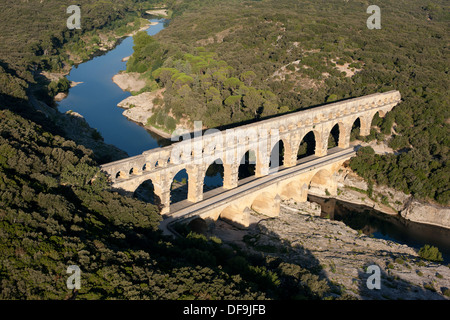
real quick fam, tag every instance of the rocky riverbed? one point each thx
(341, 254)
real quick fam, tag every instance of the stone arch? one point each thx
(355, 129)
(296, 190)
(337, 136)
(278, 154)
(121, 175)
(147, 192)
(247, 164)
(146, 167)
(381, 113)
(323, 183)
(376, 118)
(213, 175)
(234, 215)
(308, 144)
(134, 171)
(242, 152)
(267, 203)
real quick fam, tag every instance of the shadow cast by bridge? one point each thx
(288, 271)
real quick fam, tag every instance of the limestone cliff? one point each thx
(354, 189)
(426, 213)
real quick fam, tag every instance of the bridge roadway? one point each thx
(186, 210)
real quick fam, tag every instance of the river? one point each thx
(383, 226)
(97, 98)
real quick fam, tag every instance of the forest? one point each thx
(58, 209)
(234, 61)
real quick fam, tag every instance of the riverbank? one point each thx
(77, 129)
(354, 189)
(340, 254)
(73, 123)
(139, 109)
(105, 41)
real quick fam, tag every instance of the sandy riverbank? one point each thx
(129, 81)
(143, 28)
(158, 12)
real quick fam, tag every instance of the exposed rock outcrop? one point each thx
(353, 188)
(426, 213)
(129, 81)
(342, 254)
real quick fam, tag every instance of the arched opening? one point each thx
(121, 175)
(146, 192)
(377, 120)
(277, 155)
(198, 225)
(333, 138)
(307, 146)
(133, 171)
(355, 133)
(213, 176)
(247, 167)
(179, 187)
(322, 184)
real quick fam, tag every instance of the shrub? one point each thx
(430, 253)
(429, 286)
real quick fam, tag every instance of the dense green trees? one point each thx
(198, 86)
(306, 54)
(57, 209)
(411, 172)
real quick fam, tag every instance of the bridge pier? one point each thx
(262, 169)
(164, 196)
(366, 123)
(195, 183)
(230, 175)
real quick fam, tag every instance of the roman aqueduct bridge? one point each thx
(197, 154)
